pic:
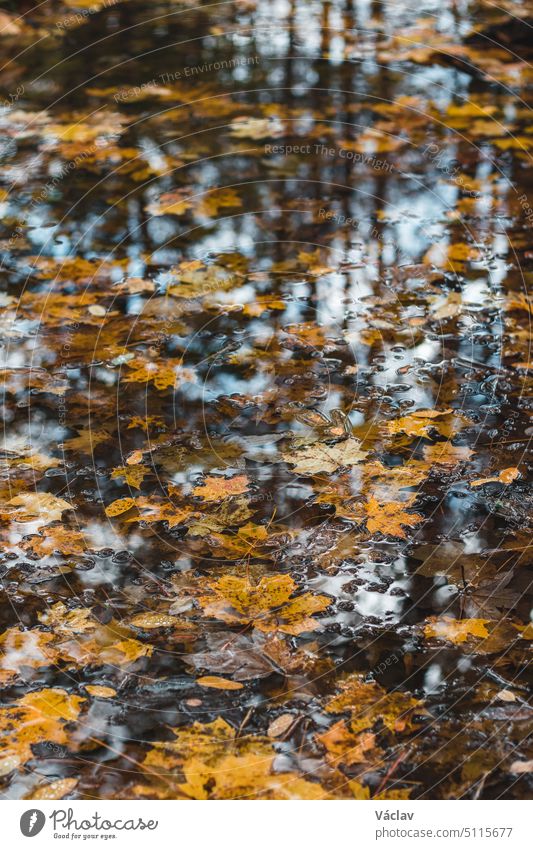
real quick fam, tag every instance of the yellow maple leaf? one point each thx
(455, 630)
(60, 539)
(37, 717)
(319, 457)
(37, 506)
(421, 422)
(86, 441)
(446, 454)
(268, 605)
(217, 488)
(344, 746)
(389, 518)
(368, 703)
(133, 474)
(217, 763)
(166, 374)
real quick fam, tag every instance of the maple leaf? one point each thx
(61, 619)
(452, 257)
(133, 474)
(151, 511)
(321, 457)
(217, 488)
(419, 423)
(166, 374)
(261, 304)
(269, 605)
(455, 630)
(86, 441)
(389, 518)
(369, 703)
(385, 482)
(197, 280)
(172, 203)
(346, 747)
(217, 199)
(239, 655)
(56, 538)
(216, 763)
(37, 506)
(37, 717)
(20, 649)
(446, 454)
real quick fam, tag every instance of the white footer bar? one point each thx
(269, 824)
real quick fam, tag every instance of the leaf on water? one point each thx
(87, 441)
(321, 457)
(37, 717)
(217, 488)
(133, 474)
(455, 630)
(368, 703)
(212, 762)
(506, 476)
(217, 683)
(281, 725)
(343, 746)
(120, 506)
(37, 506)
(420, 423)
(390, 518)
(446, 454)
(163, 511)
(268, 606)
(235, 654)
(56, 538)
(100, 692)
(165, 374)
(55, 790)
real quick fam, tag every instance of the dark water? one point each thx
(328, 205)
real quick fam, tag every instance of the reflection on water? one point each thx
(249, 240)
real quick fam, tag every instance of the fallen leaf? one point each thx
(55, 790)
(506, 476)
(269, 605)
(217, 488)
(389, 519)
(37, 717)
(218, 683)
(455, 630)
(320, 457)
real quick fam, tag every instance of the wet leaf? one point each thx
(506, 476)
(215, 489)
(37, 717)
(321, 457)
(218, 683)
(268, 606)
(390, 518)
(456, 630)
